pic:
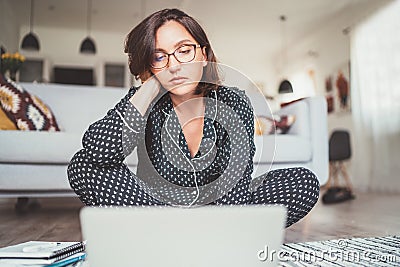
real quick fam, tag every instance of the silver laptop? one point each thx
(234, 236)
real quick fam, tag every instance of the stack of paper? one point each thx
(41, 253)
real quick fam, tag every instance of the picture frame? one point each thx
(337, 87)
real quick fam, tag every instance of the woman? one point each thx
(194, 137)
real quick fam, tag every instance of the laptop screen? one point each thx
(234, 236)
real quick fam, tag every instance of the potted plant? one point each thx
(11, 63)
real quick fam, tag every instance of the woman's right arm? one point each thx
(112, 138)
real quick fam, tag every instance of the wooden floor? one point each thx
(367, 215)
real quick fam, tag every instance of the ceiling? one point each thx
(117, 15)
(249, 18)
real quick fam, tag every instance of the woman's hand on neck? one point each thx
(147, 92)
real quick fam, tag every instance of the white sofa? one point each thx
(34, 164)
(304, 145)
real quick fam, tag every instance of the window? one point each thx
(114, 75)
(66, 75)
(31, 71)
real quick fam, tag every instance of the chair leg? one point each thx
(345, 175)
(335, 174)
(330, 178)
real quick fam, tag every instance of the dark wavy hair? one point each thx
(140, 46)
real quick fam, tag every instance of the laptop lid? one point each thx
(207, 236)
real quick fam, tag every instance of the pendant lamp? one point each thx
(30, 41)
(285, 86)
(87, 45)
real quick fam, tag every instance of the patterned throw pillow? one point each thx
(279, 124)
(5, 122)
(27, 111)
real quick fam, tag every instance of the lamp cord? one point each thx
(31, 18)
(283, 44)
(88, 17)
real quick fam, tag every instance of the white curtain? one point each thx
(375, 93)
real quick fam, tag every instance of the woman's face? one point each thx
(178, 78)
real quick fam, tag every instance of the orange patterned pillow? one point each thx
(25, 110)
(5, 122)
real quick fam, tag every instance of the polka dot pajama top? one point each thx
(220, 172)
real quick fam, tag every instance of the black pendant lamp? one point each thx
(30, 41)
(285, 86)
(87, 45)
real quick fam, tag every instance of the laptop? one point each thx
(207, 236)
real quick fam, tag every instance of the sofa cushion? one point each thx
(38, 147)
(42, 147)
(34, 179)
(289, 148)
(27, 111)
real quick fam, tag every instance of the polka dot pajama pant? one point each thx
(295, 188)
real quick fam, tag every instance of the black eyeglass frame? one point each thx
(173, 53)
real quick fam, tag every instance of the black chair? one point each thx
(339, 146)
(339, 152)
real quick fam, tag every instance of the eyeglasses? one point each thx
(183, 54)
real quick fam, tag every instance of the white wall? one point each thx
(333, 51)
(9, 28)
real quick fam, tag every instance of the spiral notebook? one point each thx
(40, 252)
